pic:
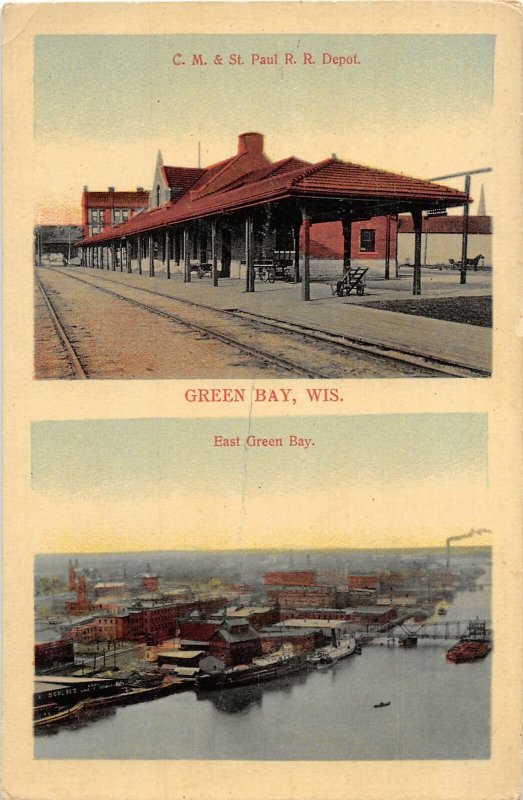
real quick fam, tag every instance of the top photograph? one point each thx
(262, 206)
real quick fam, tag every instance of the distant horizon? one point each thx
(254, 551)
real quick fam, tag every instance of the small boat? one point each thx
(381, 705)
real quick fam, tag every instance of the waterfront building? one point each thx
(235, 642)
(257, 616)
(180, 658)
(328, 626)
(368, 615)
(194, 634)
(302, 641)
(53, 651)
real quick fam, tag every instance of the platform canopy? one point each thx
(328, 190)
(287, 195)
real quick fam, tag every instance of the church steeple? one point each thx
(482, 211)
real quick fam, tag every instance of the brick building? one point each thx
(150, 621)
(196, 634)
(235, 642)
(301, 641)
(363, 581)
(82, 605)
(290, 578)
(308, 597)
(257, 616)
(150, 583)
(371, 616)
(101, 210)
(368, 241)
(53, 653)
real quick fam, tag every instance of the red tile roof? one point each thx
(290, 178)
(182, 177)
(452, 224)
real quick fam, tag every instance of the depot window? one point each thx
(368, 240)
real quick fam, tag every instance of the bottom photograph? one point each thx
(363, 632)
(378, 654)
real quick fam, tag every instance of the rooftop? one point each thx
(249, 179)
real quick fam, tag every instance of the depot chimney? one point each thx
(250, 143)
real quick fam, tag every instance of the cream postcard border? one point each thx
(26, 400)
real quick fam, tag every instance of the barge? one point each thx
(468, 651)
(52, 713)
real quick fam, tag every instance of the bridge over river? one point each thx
(408, 633)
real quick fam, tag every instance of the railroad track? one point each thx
(258, 353)
(76, 365)
(338, 341)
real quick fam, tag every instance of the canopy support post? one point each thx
(167, 255)
(417, 219)
(151, 256)
(296, 235)
(306, 284)
(249, 260)
(186, 255)
(214, 257)
(347, 242)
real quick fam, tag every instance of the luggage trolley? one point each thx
(353, 279)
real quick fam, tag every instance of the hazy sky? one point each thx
(419, 104)
(388, 478)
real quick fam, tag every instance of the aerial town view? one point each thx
(326, 654)
(264, 245)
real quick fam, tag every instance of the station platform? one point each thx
(462, 344)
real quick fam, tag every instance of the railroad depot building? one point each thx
(232, 216)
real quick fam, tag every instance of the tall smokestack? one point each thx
(472, 532)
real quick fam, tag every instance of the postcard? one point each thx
(248, 552)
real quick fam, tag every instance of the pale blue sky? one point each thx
(134, 458)
(108, 86)
(105, 104)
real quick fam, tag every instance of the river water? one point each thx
(438, 710)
